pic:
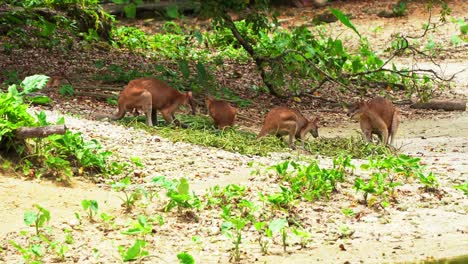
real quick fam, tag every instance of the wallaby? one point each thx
(164, 98)
(287, 121)
(134, 98)
(221, 111)
(377, 116)
(54, 82)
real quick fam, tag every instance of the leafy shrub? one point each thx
(55, 154)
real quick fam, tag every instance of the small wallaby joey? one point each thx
(377, 116)
(287, 121)
(221, 111)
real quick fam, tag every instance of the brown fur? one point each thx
(377, 116)
(54, 82)
(286, 121)
(221, 111)
(134, 98)
(164, 98)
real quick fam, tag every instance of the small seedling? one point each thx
(280, 225)
(140, 228)
(130, 197)
(348, 212)
(38, 218)
(463, 188)
(305, 237)
(233, 230)
(134, 252)
(91, 207)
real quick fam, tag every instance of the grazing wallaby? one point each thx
(134, 98)
(164, 98)
(221, 111)
(286, 121)
(377, 116)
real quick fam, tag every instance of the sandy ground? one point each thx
(420, 227)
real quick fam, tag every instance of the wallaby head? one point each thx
(356, 108)
(312, 127)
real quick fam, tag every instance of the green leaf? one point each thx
(172, 11)
(30, 217)
(344, 19)
(277, 224)
(198, 36)
(134, 251)
(185, 258)
(183, 186)
(184, 68)
(33, 83)
(130, 10)
(40, 100)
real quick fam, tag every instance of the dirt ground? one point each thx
(422, 226)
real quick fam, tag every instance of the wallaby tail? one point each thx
(119, 115)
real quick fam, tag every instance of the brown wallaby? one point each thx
(221, 111)
(134, 98)
(287, 121)
(54, 82)
(377, 116)
(164, 98)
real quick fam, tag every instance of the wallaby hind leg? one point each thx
(145, 102)
(154, 116)
(292, 135)
(366, 129)
(395, 125)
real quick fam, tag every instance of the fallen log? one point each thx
(447, 105)
(40, 132)
(184, 5)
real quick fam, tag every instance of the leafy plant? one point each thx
(136, 251)
(66, 90)
(140, 228)
(280, 225)
(130, 196)
(463, 188)
(91, 207)
(232, 228)
(37, 218)
(53, 155)
(178, 194)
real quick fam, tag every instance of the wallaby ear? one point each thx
(189, 94)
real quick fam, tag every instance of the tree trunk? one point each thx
(447, 105)
(40, 132)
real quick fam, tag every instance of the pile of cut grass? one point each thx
(201, 131)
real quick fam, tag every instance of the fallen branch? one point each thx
(40, 132)
(115, 9)
(447, 105)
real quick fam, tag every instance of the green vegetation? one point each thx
(385, 174)
(54, 155)
(202, 132)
